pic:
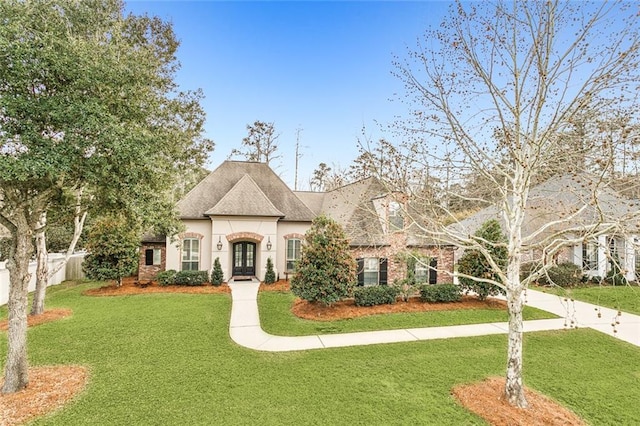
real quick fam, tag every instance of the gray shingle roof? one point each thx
(244, 199)
(560, 197)
(207, 195)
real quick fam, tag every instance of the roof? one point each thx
(352, 207)
(242, 188)
(561, 197)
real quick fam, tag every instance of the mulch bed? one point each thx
(131, 286)
(487, 400)
(47, 316)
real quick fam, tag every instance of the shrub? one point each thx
(474, 264)
(166, 277)
(563, 275)
(191, 277)
(270, 276)
(405, 288)
(216, 275)
(326, 271)
(113, 245)
(527, 269)
(374, 295)
(440, 293)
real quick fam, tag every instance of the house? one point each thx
(591, 222)
(243, 214)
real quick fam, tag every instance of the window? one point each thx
(372, 271)
(590, 256)
(293, 253)
(421, 271)
(153, 257)
(396, 220)
(426, 270)
(191, 254)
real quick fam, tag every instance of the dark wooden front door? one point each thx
(244, 259)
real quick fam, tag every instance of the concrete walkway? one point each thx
(245, 327)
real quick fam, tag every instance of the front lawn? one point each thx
(276, 318)
(625, 298)
(168, 359)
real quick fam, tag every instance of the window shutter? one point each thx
(360, 271)
(148, 257)
(383, 271)
(433, 273)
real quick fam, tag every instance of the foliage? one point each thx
(167, 277)
(406, 288)
(615, 276)
(564, 275)
(270, 275)
(326, 271)
(260, 143)
(374, 295)
(440, 293)
(216, 275)
(113, 246)
(475, 264)
(95, 106)
(191, 278)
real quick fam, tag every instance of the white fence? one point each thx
(73, 270)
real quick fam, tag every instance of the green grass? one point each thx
(168, 359)
(276, 318)
(624, 298)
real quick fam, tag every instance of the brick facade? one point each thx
(397, 269)
(250, 236)
(150, 272)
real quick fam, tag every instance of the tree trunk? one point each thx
(514, 387)
(16, 368)
(42, 271)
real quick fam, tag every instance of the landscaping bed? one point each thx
(130, 285)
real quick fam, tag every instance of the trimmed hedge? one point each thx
(375, 295)
(563, 275)
(191, 278)
(166, 277)
(440, 293)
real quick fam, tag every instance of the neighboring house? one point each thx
(243, 214)
(593, 223)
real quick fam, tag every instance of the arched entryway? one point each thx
(244, 258)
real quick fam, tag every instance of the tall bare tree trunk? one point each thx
(514, 213)
(514, 386)
(42, 271)
(16, 368)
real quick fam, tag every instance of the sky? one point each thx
(322, 67)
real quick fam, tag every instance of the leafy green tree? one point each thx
(87, 100)
(113, 250)
(326, 271)
(216, 275)
(270, 275)
(475, 269)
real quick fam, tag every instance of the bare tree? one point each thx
(327, 178)
(260, 143)
(490, 91)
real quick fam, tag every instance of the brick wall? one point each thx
(397, 269)
(150, 272)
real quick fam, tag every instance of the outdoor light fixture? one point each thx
(269, 244)
(219, 245)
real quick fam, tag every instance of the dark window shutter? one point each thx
(360, 271)
(433, 273)
(383, 271)
(148, 257)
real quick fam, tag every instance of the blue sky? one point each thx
(324, 67)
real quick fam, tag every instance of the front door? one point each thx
(244, 259)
